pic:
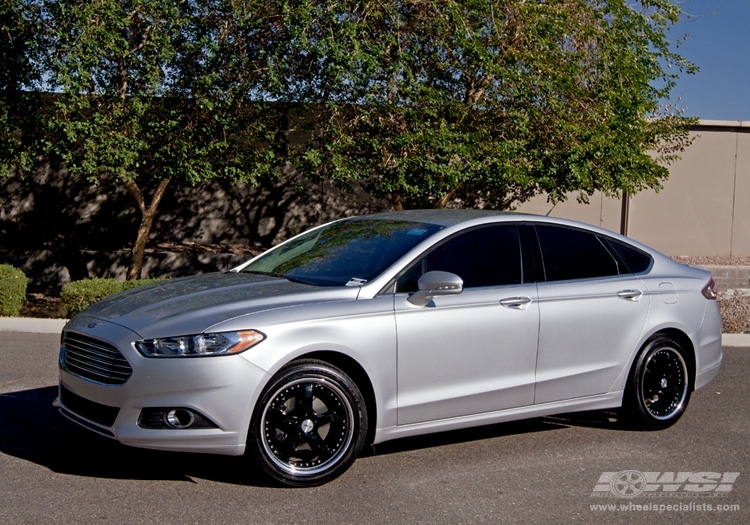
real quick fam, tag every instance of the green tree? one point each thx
(429, 102)
(432, 101)
(149, 92)
(20, 74)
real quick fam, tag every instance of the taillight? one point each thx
(709, 291)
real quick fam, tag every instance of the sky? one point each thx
(718, 42)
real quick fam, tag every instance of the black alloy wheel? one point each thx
(309, 425)
(658, 391)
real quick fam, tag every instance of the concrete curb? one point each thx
(55, 326)
(32, 325)
(729, 277)
(735, 340)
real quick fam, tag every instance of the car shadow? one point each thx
(604, 419)
(33, 430)
(452, 437)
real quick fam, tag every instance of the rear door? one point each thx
(592, 311)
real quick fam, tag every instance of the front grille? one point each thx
(93, 360)
(101, 414)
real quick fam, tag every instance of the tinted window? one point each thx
(568, 253)
(488, 256)
(346, 252)
(636, 260)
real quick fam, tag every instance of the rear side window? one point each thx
(568, 253)
(487, 256)
(636, 260)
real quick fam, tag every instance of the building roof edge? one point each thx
(728, 124)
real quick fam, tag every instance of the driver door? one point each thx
(474, 352)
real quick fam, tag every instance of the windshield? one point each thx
(349, 252)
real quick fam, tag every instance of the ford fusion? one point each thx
(378, 327)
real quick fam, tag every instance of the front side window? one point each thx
(486, 256)
(568, 253)
(349, 252)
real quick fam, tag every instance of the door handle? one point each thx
(517, 303)
(630, 295)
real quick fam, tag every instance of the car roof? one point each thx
(440, 217)
(452, 217)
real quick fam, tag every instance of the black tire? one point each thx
(658, 389)
(309, 425)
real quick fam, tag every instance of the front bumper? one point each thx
(223, 389)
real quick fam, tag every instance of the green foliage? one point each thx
(432, 103)
(20, 74)
(151, 91)
(147, 92)
(79, 295)
(488, 99)
(12, 290)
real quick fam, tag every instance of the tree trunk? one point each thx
(442, 203)
(396, 201)
(148, 213)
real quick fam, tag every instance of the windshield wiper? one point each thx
(268, 274)
(297, 280)
(282, 276)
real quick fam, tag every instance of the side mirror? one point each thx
(433, 284)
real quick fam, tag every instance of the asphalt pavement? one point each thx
(573, 468)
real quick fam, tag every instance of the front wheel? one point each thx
(658, 390)
(309, 424)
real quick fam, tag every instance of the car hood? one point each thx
(192, 305)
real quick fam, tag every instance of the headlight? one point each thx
(200, 345)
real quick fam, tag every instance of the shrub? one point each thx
(12, 290)
(79, 295)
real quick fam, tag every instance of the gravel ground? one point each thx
(43, 306)
(714, 260)
(728, 260)
(735, 312)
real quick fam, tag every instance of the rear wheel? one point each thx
(309, 425)
(658, 391)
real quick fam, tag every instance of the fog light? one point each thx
(179, 418)
(173, 418)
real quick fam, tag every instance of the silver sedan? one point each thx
(378, 327)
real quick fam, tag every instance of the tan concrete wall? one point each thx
(703, 209)
(600, 211)
(741, 222)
